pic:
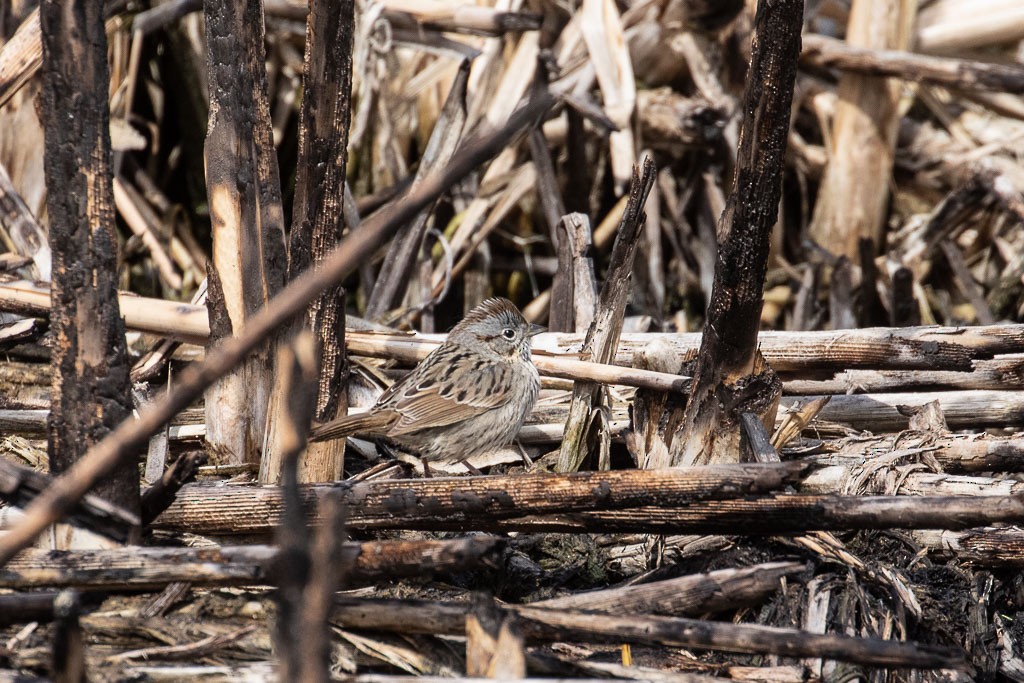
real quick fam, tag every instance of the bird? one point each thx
(468, 396)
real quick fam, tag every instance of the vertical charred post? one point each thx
(318, 222)
(727, 366)
(90, 379)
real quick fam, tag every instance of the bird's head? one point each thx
(497, 327)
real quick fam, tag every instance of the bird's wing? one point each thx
(448, 386)
(441, 401)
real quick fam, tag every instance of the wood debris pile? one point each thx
(781, 430)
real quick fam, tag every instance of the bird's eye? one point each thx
(508, 333)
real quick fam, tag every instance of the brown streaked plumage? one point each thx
(470, 395)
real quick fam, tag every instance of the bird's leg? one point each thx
(527, 461)
(472, 469)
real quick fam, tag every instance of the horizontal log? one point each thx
(146, 568)
(461, 500)
(551, 432)
(576, 370)
(546, 625)
(189, 323)
(792, 514)
(930, 347)
(263, 671)
(871, 479)
(889, 476)
(1003, 372)
(979, 453)
(985, 546)
(881, 348)
(873, 412)
(954, 453)
(505, 504)
(974, 409)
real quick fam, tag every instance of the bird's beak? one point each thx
(535, 330)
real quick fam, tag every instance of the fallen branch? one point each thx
(190, 323)
(546, 625)
(962, 74)
(148, 568)
(22, 608)
(175, 320)
(20, 485)
(199, 649)
(551, 625)
(895, 474)
(695, 594)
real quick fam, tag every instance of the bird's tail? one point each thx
(364, 424)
